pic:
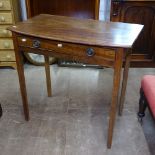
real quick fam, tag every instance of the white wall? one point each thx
(23, 9)
(105, 10)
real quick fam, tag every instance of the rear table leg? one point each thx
(124, 83)
(48, 77)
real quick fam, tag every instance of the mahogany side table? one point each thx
(88, 41)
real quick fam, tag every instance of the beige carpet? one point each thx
(74, 121)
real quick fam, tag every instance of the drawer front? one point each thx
(6, 44)
(68, 48)
(6, 18)
(5, 5)
(7, 56)
(4, 32)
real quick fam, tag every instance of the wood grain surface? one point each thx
(81, 31)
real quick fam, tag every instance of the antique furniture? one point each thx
(74, 8)
(147, 95)
(87, 41)
(9, 10)
(140, 12)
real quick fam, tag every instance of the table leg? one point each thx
(115, 92)
(20, 69)
(124, 83)
(48, 77)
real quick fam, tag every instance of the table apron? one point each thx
(98, 60)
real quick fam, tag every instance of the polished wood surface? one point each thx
(73, 8)
(89, 41)
(80, 31)
(139, 12)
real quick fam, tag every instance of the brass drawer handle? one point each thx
(6, 45)
(90, 52)
(1, 4)
(8, 56)
(36, 43)
(5, 32)
(2, 19)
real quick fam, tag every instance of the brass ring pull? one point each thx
(90, 52)
(2, 19)
(36, 43)
(6, 45)
(5, 32)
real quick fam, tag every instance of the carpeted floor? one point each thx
(74, 121)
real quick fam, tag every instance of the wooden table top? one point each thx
(81, 31)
